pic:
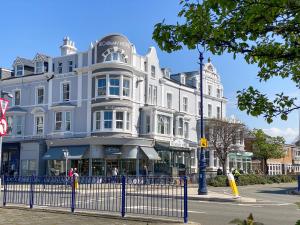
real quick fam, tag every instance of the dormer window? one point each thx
(182, 79)
(19, 70)
(39, 67)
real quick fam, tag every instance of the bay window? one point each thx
(58, 121)
(163, 124)
(126, 87)
(114, 85)
(119, 120)
(186, 130)
(127, 121)
(9, 120)
(19, 125)
(108, 119)
(180, 126)
(101, 86)
(68, 121)
(97, 120)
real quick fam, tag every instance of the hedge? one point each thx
(250, 179)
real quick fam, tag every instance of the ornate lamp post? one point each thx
(202, 189)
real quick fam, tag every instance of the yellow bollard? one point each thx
(233, 186)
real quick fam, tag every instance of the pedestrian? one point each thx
(70, 174)
(146, 172)
(76, 180)
(236, 175)
(115, 172)
(219, 171)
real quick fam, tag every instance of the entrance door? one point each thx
(110, 164)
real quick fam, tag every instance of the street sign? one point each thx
(3, 122)
(203, 143)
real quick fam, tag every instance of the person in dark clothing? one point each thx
(219, 171)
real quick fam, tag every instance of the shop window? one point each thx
(28, 167)
(108, 119)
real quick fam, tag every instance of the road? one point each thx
(274, 206)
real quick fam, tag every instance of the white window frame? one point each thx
(169, 103)
(14, 99)
(180, 128)
(62, 91)
(209, 111)
(219, 112)
(36, 125)
(165, 121)
(118, 120)
(17, 70)
(186, 129)
(110, 120)
(209, 90)
(125, 89)
(116, 77)
(185, 103)
(97, 86)
(153, 71)
(68, 121)
(96, 121)
(61, 121)
(10, 125)
(218, 92)
(182, 79)
(121, 57)
(155, 95)
(37, 95)
(39, 67)
(59, 67)
(70, 66)
(17, 125)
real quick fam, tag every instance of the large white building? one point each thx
(109, 107)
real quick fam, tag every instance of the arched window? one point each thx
(115, 55)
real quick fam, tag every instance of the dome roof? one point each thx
(114, 41)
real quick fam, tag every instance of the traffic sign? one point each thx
(203, 143)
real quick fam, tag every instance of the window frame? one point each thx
(112, 87)
(180, 127)
(120, 121)
(209, 110)
(68, 123)
(126, 89)
(36, 124)
(59, 67)
(70, 66)
(169, 106)
(186, 129)
(185, 103)
(15, 99)
(102, 87)
(153, 71)
(62, 91)
(17, 70)
(108, 120)
(37, 95)
(96, 121)
(41, 67)
(56, 121)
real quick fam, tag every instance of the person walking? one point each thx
(76, 176)
(115, 172)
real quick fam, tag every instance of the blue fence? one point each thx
(152, 196)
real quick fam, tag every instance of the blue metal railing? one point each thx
(152, 196)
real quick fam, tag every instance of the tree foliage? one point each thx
(264, 32)
(223, 135)
(266, 147)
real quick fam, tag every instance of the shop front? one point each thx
(10, 159)
(77, 157)
(175, 161)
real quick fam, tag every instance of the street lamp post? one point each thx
(66, 155)
(202, 189)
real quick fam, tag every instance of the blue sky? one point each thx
(32, 26)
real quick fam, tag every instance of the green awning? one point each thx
(150, 153)
(56, 153)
